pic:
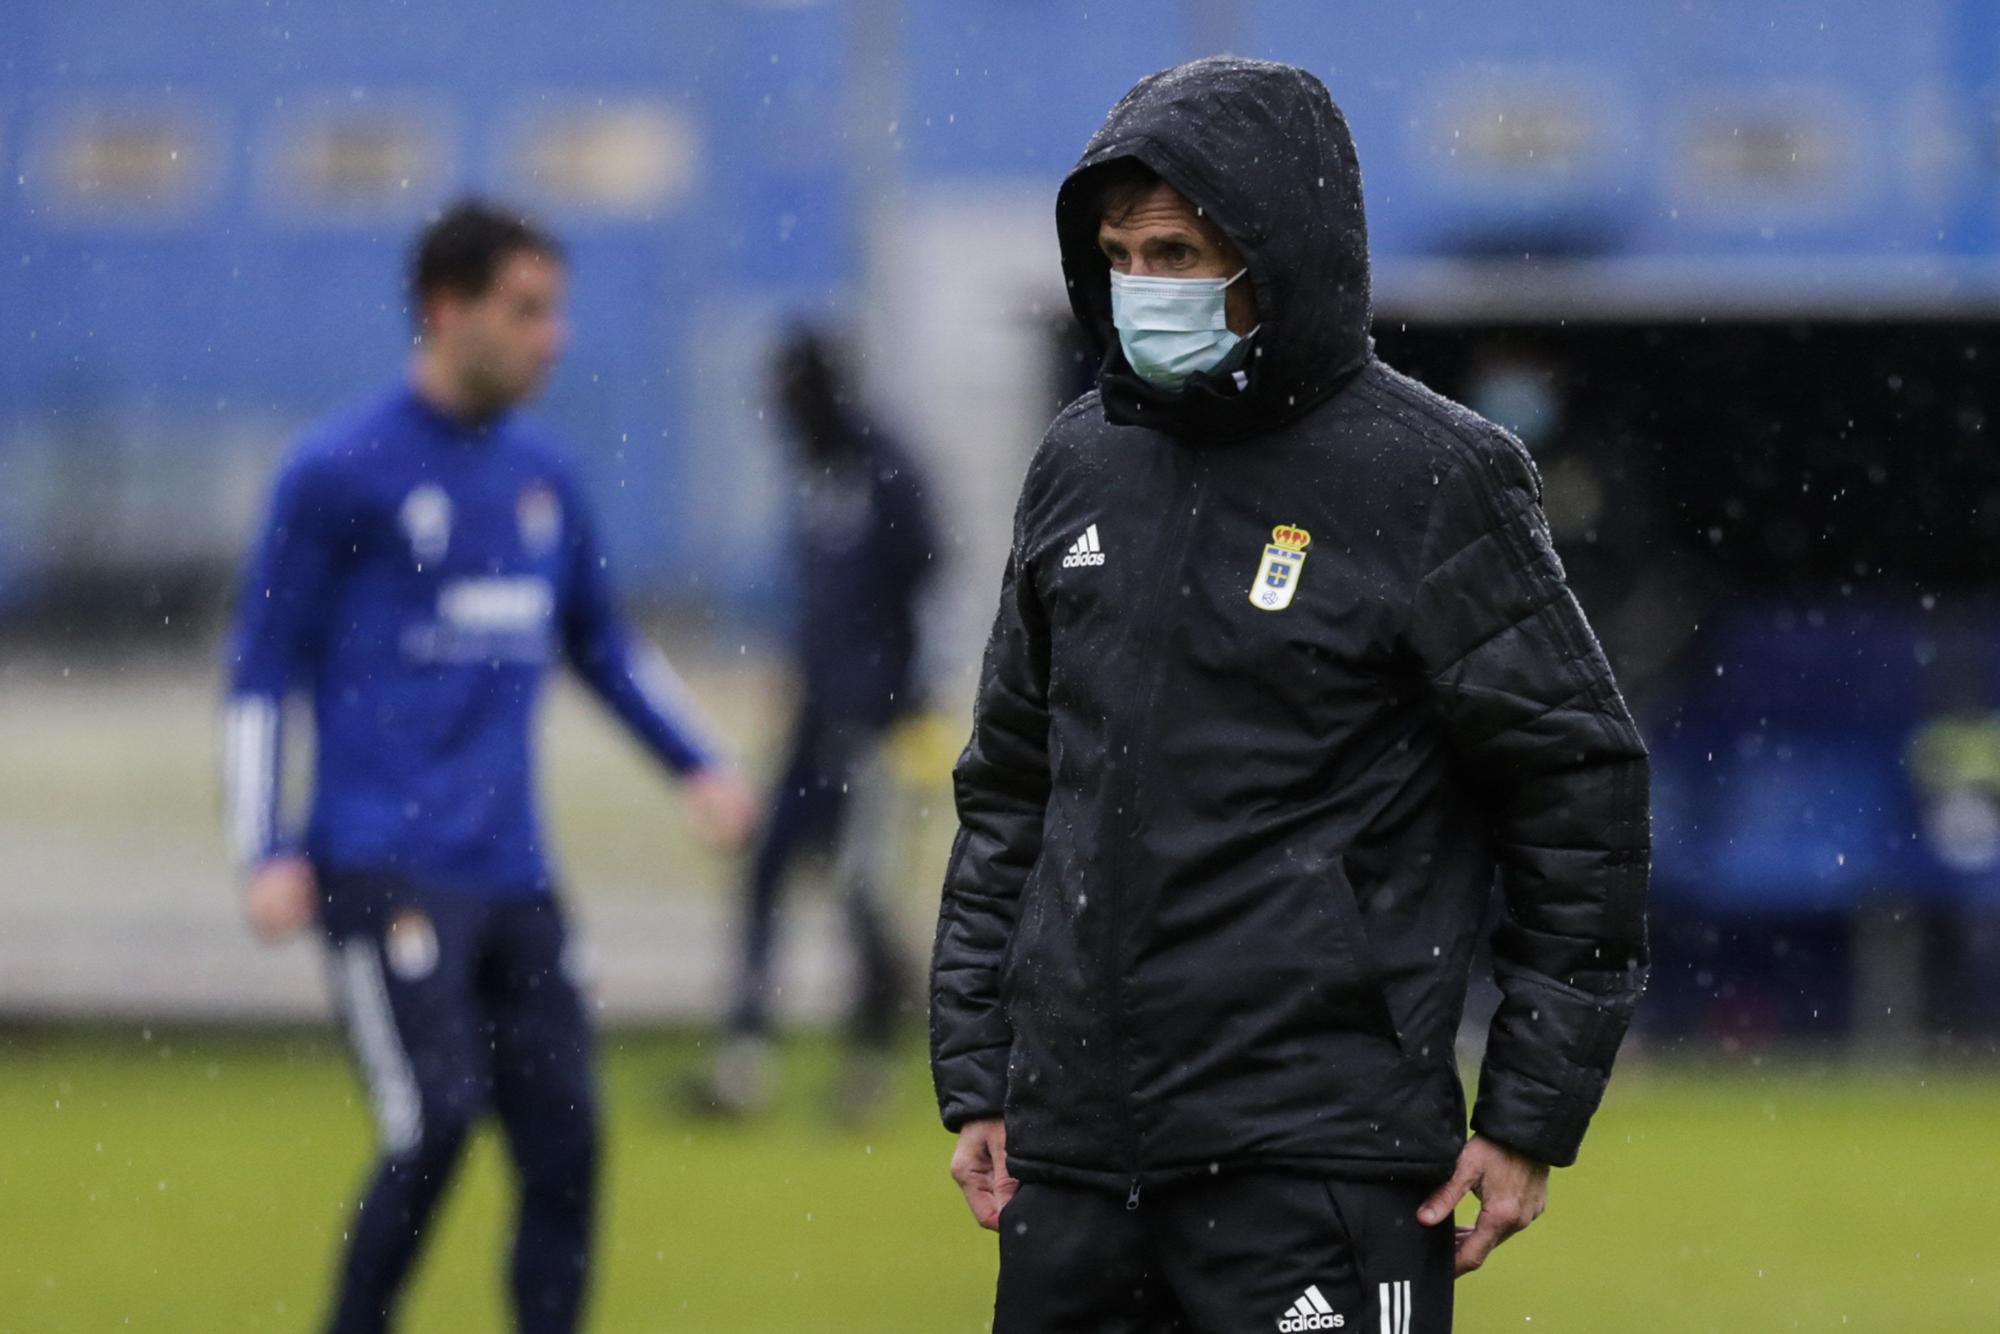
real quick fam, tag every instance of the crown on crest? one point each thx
(1290, 538)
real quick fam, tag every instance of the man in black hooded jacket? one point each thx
(1285, 672)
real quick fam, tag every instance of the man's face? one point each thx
(1160, 235)
(503, 343)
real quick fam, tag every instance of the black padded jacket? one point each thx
(1285, 671)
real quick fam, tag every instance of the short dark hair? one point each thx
(1119, 184)
(463, 249)
(808, 361)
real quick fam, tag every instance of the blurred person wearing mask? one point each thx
(1285, 671)
(425, 562)
(863, 546)
(1647, 595)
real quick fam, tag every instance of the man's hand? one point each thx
(1512, 1192)
(279, 898)
(725, 810)
(979, 1166)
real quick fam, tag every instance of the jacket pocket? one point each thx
(1354, 981)
(1017, 939)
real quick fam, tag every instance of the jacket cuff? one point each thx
(1531, 1118)
(972, 1086)
(956, 1120)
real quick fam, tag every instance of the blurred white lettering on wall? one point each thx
(632, 159)
(356, 158)
(126, 164)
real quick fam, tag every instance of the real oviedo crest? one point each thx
(426, 520)
(1280, 568)
(539, 515)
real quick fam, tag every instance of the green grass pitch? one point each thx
(198, 1182)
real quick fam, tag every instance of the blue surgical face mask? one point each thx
(1172, 328)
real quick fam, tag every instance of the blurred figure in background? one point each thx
(863, 546)
(1591, 441)
(425, 562)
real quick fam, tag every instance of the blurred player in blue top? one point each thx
(426, 560)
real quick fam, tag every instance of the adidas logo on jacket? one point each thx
(1084, 551)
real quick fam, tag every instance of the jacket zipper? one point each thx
(1150, 610)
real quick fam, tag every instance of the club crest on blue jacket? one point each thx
(538, 514)
(1280, 568)
(426, 519)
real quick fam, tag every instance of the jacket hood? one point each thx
(1261, 149)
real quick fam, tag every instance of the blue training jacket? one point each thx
(419, 576)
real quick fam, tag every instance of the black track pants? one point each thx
(458, 1005)
(1250, 1251)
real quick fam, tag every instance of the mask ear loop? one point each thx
(1253, 328)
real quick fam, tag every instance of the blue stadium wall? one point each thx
(1788, 146)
